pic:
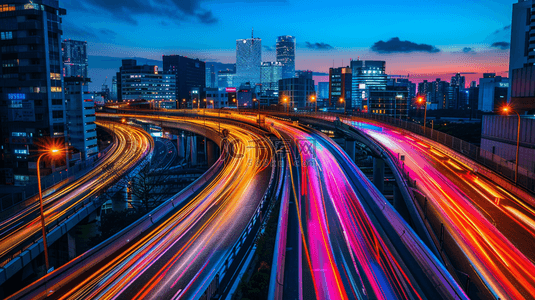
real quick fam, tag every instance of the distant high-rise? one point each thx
(248, 61)
(323, 90)
(522, 57)
(458, 80)
(81, 126)
(492, 92)
(32, 102)
(366, 75)
(144, 82)
(74, 58)
(190, 76)
(286, 55)
(297, 92)
(271, 74)
(340, 87)
(212, 71)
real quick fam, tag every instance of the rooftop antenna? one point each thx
(252, 32)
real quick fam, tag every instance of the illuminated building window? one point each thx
(55, 76)
(7, 7)
(6, 35)
(55, 89)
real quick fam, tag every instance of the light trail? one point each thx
(132, 145)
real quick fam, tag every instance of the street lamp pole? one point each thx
(43, 229)
(342, 102)
(420, 100)
(507, 109)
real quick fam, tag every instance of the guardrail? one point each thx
(228, 269)
(493, 162)
(54, 181)
(53, 281)
(29, 251)
(279, 253)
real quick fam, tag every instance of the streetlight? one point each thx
(313, 98)
(421, 100)
(342, 103)
(52, 151)
(285, 103)
(212, 102)
(506, 110)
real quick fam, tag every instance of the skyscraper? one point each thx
(340, 87)
(81, 126)
(297, 92)
(286, 55)
(190, 75)
(31, 87)
(248, 61)
(366, 75)
(144, 82)
(492, 92)
(271, 74)
(522, 57)
(74, 58)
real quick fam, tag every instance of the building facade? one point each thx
(32, 103)
(392, 101)
(74, 58)
(190, 74)
(340, 81)
(144, 82)
(270, 76)
(498, 136)
(366, 75)
(492, 92)
(522, 57)
(81, 127)
(297, 92)
(286, 55)
(248, 61)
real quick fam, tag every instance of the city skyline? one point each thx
(463, 34)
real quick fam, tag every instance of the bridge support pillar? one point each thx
(181, 145)
(119, 200)
(210, 152)
(350, 149)
(379, 173)
(192, 143)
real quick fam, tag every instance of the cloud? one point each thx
(320, 74)
(318, 46)
(465, 73)
(268, 48)
(469, 50)
(500, 45)
(106, 31)
(503, 29)
(128, 11)
(73, 31)
(395, 45)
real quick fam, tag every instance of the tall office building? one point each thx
(492, 92)
(323, 90)
(190, 76)
(392, 101)
(74, 58)
(144, 82)
(366, 75)
(248, 61)
(31, 84)
(522, 57)
(297, 92)
(212, 70)
(81, 127)
(340, 87)
(286, 55)
(458, 80)
(437, 97)
(271, 73)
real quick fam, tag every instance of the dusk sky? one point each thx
(426, 39)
